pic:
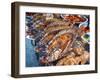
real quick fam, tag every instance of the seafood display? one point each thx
(59, 39)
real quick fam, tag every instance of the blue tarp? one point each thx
(31, 58)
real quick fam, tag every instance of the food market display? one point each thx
(59, 39)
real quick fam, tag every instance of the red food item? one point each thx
(85, 29)
(75, 18)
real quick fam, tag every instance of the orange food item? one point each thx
(60, 42)
(74, 18)
(85, 29)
